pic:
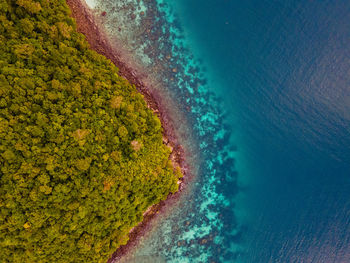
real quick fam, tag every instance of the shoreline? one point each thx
(87, 24)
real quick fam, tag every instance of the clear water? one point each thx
(259, 92)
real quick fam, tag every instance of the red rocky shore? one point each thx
(87, 25)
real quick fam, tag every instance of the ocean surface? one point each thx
(259, 93)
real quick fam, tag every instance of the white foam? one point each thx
(91, 3)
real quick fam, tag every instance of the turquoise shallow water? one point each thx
(202, 225)
(259, 95)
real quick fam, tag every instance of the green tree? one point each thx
(81, 154)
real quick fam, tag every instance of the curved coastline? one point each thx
(88, 25)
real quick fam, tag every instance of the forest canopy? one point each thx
(81, 154)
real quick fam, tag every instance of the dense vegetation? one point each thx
(81, 155)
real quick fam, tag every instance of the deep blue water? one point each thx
(284, 70)
(260, 95)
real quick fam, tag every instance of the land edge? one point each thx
(98, 41)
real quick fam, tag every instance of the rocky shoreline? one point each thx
(87, 25)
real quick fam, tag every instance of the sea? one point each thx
(259, 95)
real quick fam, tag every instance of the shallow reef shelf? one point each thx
(201, 225)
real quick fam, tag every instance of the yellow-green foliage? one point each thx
(81, 155)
